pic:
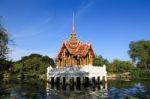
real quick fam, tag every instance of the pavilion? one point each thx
(74, 61)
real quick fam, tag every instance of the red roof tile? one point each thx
(77, 48)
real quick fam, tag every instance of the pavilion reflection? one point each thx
(77, 91)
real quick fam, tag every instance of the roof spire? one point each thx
(73, 26)
(73, 34)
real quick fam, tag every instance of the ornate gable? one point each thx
(74, 52)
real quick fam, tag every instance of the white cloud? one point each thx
(85, 7)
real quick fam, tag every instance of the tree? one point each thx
(33, 65)
(118, 66)
(49, 60)
(4, 39)
(140, 53)
(4, 49)
(100, 61)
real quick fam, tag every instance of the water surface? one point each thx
(113, 89)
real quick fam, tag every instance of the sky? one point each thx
(41, 26)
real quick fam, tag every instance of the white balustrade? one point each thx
(86, 71)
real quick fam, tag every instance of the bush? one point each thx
(139, 73)
(32, 66)
(118, 66)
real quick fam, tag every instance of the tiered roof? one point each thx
(75, 47)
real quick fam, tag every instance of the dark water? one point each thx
(113, 89)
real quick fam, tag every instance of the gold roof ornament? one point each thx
(73, 34)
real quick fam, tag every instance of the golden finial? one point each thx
(73, 34)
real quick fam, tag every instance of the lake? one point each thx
(113, 89)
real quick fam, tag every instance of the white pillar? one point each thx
(105, 78)
(61, 80)
(90, 80)
(49, 79)
(54, 79)
(106, 86)
(75, 80)
(48, 88)
(101, 77)
(47, 73)
(98, 79)
(101, 86)
(67, 80)
(81, 80)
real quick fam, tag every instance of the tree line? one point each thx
(139, 66)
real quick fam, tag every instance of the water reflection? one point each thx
(59, 91)
(113, 89)
(138, 91)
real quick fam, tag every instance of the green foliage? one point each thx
(4, 39)
(17, 67)
(100, 61)
(31, 56)
(118, 66)
(140, 53)
(5, 65)
(33, 65)
(139, 73)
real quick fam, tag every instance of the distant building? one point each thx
(75, 53)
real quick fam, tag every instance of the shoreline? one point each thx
(130, 78)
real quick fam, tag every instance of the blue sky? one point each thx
(41, 26)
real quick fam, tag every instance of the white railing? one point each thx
(86, 71)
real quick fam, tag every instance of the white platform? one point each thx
(75, 71)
